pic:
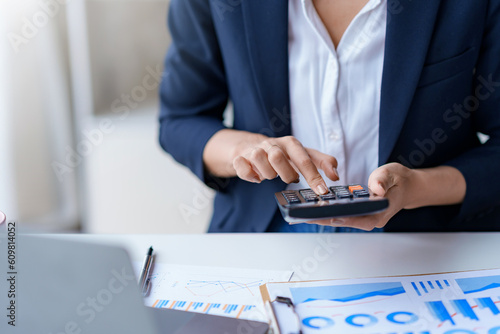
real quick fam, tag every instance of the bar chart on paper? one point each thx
(219, 291)
(453, 303)
(486, 304)
(230, 310)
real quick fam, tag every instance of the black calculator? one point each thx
(298, 206)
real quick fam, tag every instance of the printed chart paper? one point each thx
(220, 291)
(454, 303)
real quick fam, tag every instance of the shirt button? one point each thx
(334, 135)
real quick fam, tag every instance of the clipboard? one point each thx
(282, 308)
(286, 319)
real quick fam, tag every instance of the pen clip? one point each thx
(145, 279)
(147, 287)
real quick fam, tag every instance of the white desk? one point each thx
(322, 256)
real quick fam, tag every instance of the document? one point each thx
(229, 292)
(452, 303)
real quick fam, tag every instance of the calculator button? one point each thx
(291, 196)
(342, 193)
(309, 195)
(355, 187)
(327, 197)
(292, 199)
(361, 193)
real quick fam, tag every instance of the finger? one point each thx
(299, 156)
(325, 162)
(335, 222)
(244, 170)
(281, 165)
(259, 159)
(366, 223)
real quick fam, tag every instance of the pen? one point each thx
(144, 281)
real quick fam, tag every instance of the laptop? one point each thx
(67, 287)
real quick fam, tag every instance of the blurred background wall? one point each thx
(78, 120)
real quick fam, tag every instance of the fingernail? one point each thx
(336, 172)
(321, 189)
(296, 181)
(255, 180)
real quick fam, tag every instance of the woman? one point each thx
(392, 93)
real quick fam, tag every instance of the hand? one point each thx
(268, 158)
(392, 181)
(254, 157)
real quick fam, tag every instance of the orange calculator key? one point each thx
(356, 187)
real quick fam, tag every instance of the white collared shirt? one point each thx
(335, 93)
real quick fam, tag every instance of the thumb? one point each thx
(381, 180)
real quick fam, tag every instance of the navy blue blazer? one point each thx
(440, 86)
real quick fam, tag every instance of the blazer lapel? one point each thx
(266, 25)
(409, 30)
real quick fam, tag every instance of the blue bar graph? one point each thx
(463, 307)
(416, 289)
(488, 303)
(439, 311)
(235, 310)
(423, 287)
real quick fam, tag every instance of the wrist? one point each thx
(224, 146)
(416, 189)
(246, 141)
(442, 185)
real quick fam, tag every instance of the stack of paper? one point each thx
(229, 292)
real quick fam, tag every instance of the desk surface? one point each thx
(319, 256)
